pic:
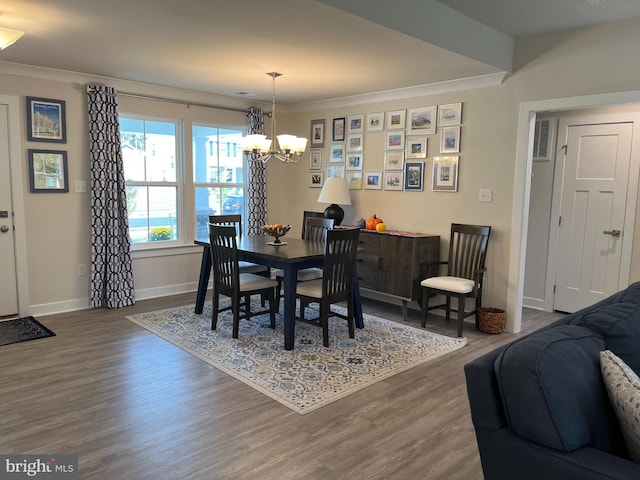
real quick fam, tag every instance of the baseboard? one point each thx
(535, 303)
(84, 303)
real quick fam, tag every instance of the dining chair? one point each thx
(336, 284)
(309, 214)
(465, 273)
(235, 220)
(230, 282)
(315, 231)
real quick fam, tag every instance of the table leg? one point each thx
(290, 280)
(203, 281)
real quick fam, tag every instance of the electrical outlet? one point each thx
(486, 195)
(82, 269)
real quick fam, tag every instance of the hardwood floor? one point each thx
(133, 406)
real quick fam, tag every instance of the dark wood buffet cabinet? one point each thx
(394, 263)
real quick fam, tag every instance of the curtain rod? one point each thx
(170, 100)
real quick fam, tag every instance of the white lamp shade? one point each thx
(335, 190)
(299, 145)
(256, 142)
(286, 141)
(9, 37)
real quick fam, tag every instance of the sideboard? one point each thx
(394, 263)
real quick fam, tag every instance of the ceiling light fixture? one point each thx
(259, 146)
(9, 37)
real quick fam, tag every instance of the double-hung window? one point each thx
(218, 173)
(152, 155)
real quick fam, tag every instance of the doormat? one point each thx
(22, 330)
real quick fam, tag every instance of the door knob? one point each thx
(613, 233)
(4, 229)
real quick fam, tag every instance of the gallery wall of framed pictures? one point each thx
(406, 150)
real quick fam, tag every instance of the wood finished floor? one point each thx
(133, 406)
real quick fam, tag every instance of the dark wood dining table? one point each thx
(294, 254)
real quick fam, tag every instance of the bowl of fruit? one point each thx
(276, 231)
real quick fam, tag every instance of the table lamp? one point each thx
(335, 191)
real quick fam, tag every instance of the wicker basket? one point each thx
(491, 320)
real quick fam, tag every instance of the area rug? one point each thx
(22, 330)
(311, 375)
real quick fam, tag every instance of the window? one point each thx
(218, 173)
(151, 154)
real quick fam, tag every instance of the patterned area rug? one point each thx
(310, 376)
(22, 330)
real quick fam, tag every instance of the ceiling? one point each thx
(325, 49)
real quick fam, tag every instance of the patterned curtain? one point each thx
(111, 266)
(257, 195)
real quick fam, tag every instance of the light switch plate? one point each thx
(486, 195)
(81, 186)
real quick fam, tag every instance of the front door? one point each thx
(596, 172)
(8, 279)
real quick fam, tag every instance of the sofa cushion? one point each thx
(553, 393)
(619, 324)
(623, 386)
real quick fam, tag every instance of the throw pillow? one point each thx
(623, 387)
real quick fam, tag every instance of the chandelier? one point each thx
(259, 146)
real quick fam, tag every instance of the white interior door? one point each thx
(594, 195)
(8, 279)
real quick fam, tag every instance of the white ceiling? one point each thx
(225, 47)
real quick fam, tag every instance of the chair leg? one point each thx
(324, 321)
(350, 320)
(478, 305)
(278, 293)
(214, 312)
(461, 299)
(448, 309)
(272, 308)
(425, 307)
(235, 302)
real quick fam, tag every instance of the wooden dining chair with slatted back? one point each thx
(314, 231)
(309, 214)
(236, 221)
(465, 273)
(336, 284)
(230, 282)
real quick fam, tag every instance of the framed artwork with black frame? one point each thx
(413, 176)
(48, 171)
(46, 120)
(339, 127)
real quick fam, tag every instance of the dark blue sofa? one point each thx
(539, 405)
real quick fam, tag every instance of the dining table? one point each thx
(291, 255)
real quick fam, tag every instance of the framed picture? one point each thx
(316, 160)
(395, 140)
(372, 180)
(393, 180)
(337, 172)
(422, 120)
(394, 159)
(354, 143)
(416, 147)
(317, 133)
(445, 174)
(413, 175)
(338, 129)
(48, 171)
(355, 123)
(450, 114)
(354, 180)
(375, 122)
(316, 179)
(449, 139)
(337, 153)
(46, 120)
(354, 161)
(396, 119)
